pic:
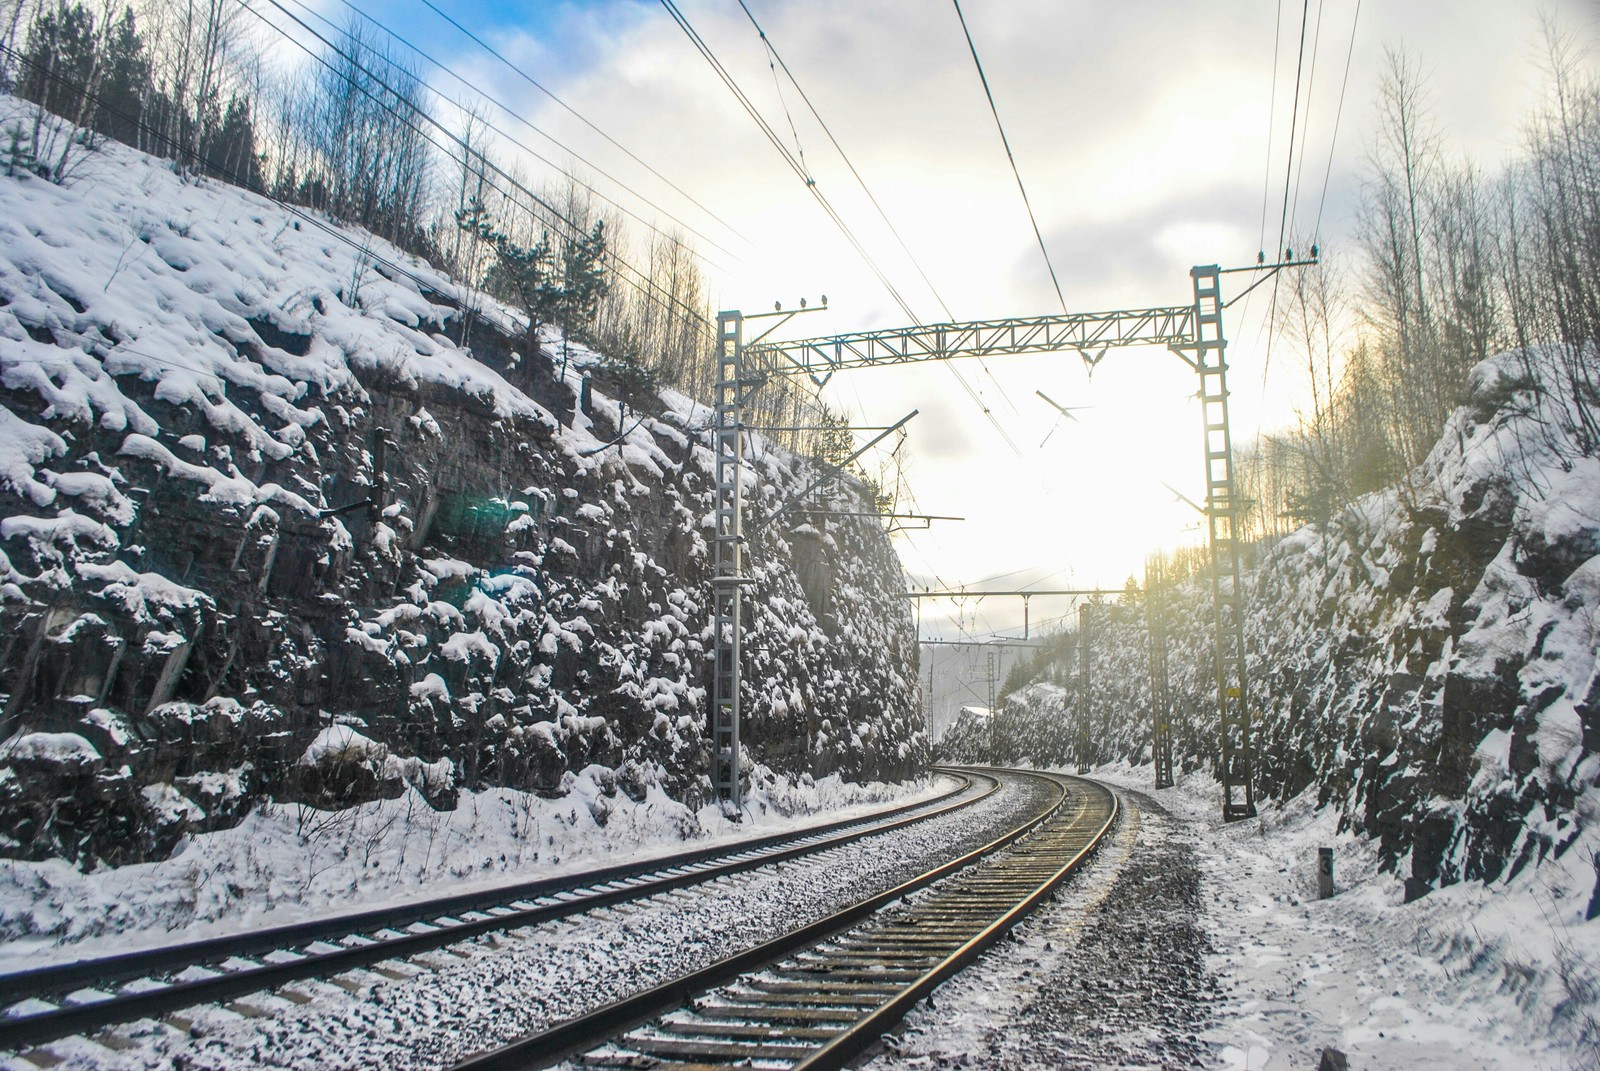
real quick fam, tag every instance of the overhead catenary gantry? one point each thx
(1194, 332)
(1026, 594)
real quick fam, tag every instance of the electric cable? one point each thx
(520, 73)
(1305, 127)
(1288, 167)
(1272, 114)
(778, 88)
(811, 185)
(1283, 221)
(576, 231)
(357, 43)
(862, 182)
(995, 111)
(771, 135)
(1339, 114)
(520, 119)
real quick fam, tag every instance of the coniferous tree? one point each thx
(583, 282)
(60, 59)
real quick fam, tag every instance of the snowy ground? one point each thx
(432, 1010)
(1137, 966)
(286, 863)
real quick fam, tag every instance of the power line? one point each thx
(778, 88)
(520, 73)
(555, 213)
(862, 182)
(1305, 133)
(1349, 52)
(772, 136)
(1007, 143)
(1288, 167)
(356, 42)
(1272, 114)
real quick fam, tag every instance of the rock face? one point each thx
(284, 513)
(1425, 661)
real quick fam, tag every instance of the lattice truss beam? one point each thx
(819, 358)
(1193, 332)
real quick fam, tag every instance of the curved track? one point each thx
(817, 997)
(91, 994)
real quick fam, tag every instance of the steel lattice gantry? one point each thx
(1194, 332)
(821, 357)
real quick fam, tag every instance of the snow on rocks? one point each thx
(1425, 662)
(198, 386)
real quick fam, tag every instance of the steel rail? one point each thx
(852, 1041)
(582, 1034)
(369, 937)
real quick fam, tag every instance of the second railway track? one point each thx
(90, 995)
(820, 995)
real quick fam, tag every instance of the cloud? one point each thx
(1142, 133)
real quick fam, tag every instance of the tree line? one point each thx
(358, 134)
(1452, 264)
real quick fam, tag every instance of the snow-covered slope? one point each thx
(1425, 663)
(193, 382)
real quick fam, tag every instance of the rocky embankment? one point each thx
(286, 513)
(1425, 662)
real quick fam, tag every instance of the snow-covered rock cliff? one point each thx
(193, 382)
(1425, 662)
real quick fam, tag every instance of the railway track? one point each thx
(79, 998)
(817, 997)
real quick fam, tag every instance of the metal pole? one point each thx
(727, 560)
(1083, 688)
(1227, 582)
(993, 716)
(1160, 693)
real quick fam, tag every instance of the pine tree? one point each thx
(583, 282)
(59, 61)
(125, 83)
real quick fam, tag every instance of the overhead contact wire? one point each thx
(1339, 114)
(521, 144)
(995, 111)
(520, 73)
(1288, 168)
(777, 142)
(862, 182)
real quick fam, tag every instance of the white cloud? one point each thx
(1141, 131)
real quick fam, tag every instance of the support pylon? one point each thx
(1209, 359)
(1160, 693)
(1085, 707)
(727, 561)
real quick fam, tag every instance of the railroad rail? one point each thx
(816, 998)
(89, 995)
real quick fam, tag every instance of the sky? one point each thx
(1150, 136)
